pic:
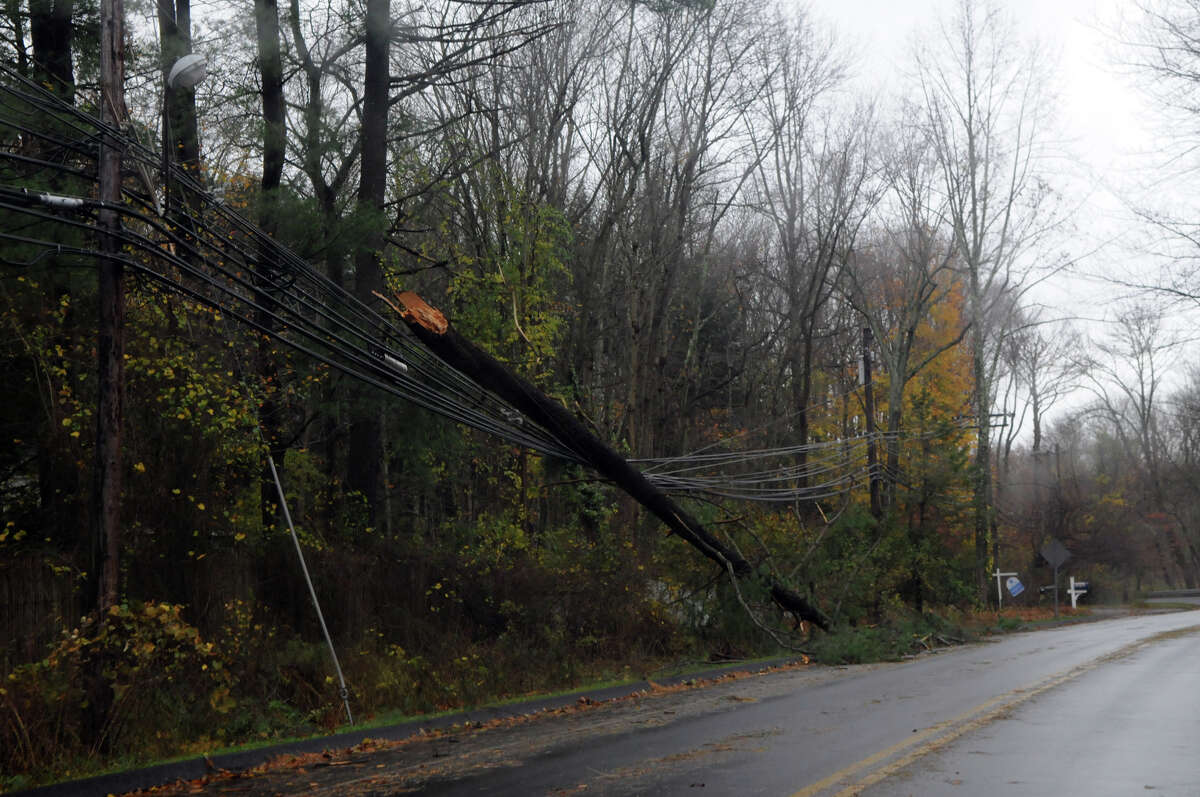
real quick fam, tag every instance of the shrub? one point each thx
(899, 634)
(128, 686)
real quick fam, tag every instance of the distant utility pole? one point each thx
(106, 511)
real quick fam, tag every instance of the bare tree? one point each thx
(619, 126)
(813, 184)
(1046, 361)
(901, 272)
(1042, 362)
(1128, 380)
(1163, 43)
(688, 184)
(1163, 49)
(985, 113)
(662, 160)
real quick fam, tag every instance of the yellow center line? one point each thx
(882, 755)
(945, 732)
(984, 717)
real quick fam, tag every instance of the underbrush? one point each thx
(146, 686)
(174, 692)
(903, 633)
(896, 636)
(136, 685)
(1014, 618)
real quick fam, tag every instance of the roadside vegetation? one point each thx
(677, 221)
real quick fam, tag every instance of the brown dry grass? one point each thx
(982, 618)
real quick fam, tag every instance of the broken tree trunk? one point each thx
(433, 329)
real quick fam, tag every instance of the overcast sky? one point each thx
(1108, 134)
(1111, 137)
(1098, 107)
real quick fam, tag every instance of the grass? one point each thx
(1019, 618)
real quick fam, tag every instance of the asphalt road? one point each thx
(1099, 708)
(1131, 726)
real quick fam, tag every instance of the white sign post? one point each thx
(999, 588)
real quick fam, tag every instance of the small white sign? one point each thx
(1015, 587)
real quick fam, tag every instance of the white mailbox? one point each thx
(1077, 588)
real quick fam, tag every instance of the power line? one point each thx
(216, 257)
(212, 255)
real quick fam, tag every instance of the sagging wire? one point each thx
(214, 256)
(296, 305)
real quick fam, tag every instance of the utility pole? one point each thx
(106, 512)
(869, 409)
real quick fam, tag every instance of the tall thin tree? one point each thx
(366, 434)
(985, 116)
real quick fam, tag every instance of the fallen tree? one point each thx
(433, 329)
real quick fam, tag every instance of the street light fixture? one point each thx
(187, 72)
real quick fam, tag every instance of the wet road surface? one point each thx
(1130, 726)
(1109, 707)
(988, 715)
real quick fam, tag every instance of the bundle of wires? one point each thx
(204, 250)
(208, 252)
(810, 472)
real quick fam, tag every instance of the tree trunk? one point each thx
(181, 133)
(869, 411)
(801, 393)
(365, 472)
(266, 19)
(51, 34)
(982, 483)
(16, 21)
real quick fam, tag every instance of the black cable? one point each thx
(220, 259)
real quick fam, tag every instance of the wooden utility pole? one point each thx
(434, 330)
(106, 519)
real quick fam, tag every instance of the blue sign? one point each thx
(1015, 587)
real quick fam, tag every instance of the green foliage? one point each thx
(504, 295)
(900, 633)
(285, 685)
(856, 645)
(159, 682)
(47, 418)
(1006, 624)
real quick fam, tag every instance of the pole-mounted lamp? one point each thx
(185, 73)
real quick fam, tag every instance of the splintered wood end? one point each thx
(416, 310)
